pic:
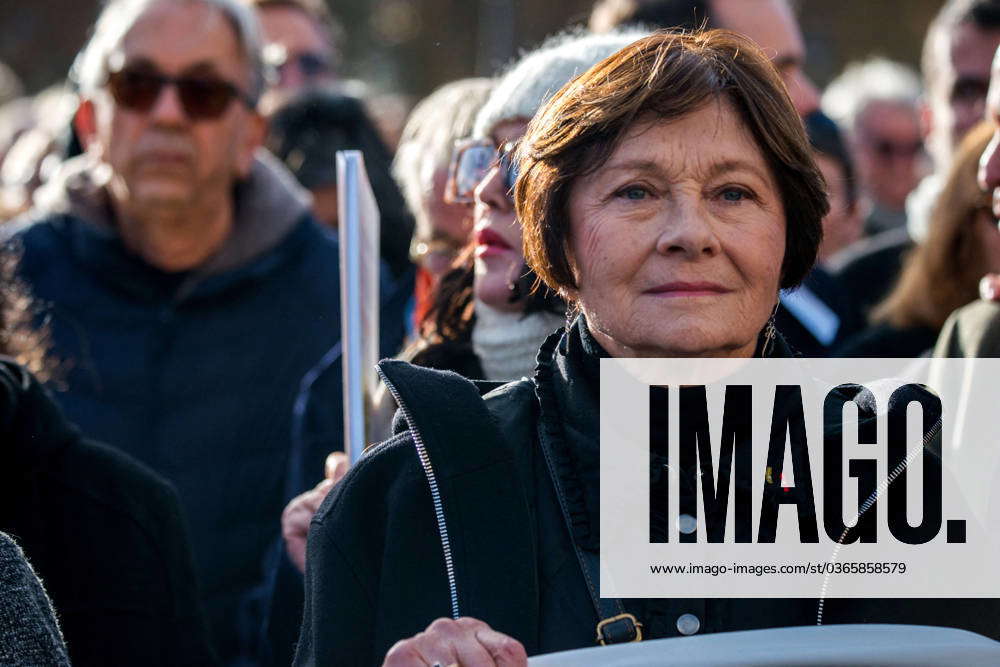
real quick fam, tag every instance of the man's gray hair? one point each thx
(119, 17)
(863, 83)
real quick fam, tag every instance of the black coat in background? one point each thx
(104, 534)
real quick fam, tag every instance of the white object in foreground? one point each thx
(358, 223)
(810, 646)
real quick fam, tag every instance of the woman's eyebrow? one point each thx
(712, 171)
(727, 166)
(634, 165)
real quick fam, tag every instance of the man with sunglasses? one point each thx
(191, 291)
(877, 103)
(957, 52)
(301, 43)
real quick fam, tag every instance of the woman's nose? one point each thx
(688, 230)
(492, 191)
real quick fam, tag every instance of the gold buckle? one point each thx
(619, 617)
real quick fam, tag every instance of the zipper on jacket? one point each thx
(425, 463)
(870, 502)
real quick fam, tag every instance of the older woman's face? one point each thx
(499, 256)
(677, 241)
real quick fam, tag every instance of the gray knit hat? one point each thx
(533, 79)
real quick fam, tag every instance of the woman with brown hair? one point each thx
(667, 194)
(942, 273)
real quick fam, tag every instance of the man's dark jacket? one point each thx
(104, 533)
(196, 374)
(375, 566)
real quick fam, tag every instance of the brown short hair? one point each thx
(666, 75)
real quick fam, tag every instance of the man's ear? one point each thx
(85, 123)
(253, 138)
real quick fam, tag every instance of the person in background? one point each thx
(974, 330)
(770, 23)
(843, 224)
(421, 168)
(29, 633)
(38, 150)
(877, 103)
(818, 315)
(189, 288)
(942, 273)
(15, 108)
(306, 132)
(105, 533)
(301, 43)
(957, 53)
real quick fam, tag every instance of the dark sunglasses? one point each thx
(202, 98)
(471, 161)
(308, 63)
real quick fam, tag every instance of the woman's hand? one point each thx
(467, 642)
(299, 512)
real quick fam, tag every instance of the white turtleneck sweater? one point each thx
(507, 342)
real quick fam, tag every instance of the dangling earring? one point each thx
(770, 333)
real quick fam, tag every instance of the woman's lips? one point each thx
(682, 289)
(489, 243)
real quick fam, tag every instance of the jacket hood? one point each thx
(268, 204)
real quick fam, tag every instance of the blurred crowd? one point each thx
(171, 399)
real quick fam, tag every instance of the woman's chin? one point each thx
(689, 339)
(496, 294)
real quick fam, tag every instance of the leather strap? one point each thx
(615, 625)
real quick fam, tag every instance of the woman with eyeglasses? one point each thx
(485, 321)
(944, 271)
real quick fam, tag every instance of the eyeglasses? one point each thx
(202, 98)
(471, 161)
(310, 64)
